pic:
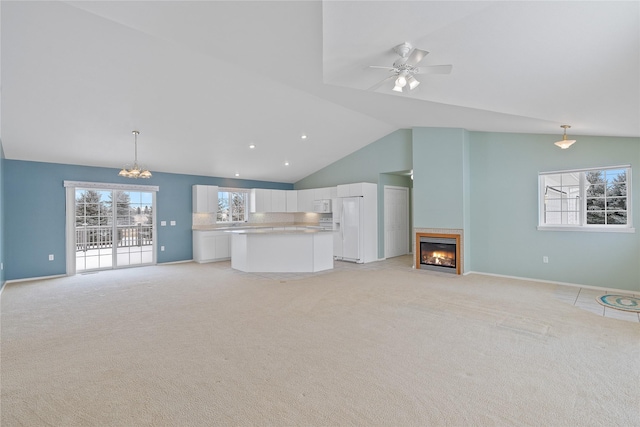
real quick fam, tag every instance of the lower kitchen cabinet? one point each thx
(209, 246)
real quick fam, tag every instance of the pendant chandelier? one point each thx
(565, 143)
(136, 171)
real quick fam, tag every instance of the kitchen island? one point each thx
(281, 251)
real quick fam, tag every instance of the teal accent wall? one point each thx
(34, 208)
(391, 153)
(439, 177)
(466, 200)
(487, 184)
(504, 199)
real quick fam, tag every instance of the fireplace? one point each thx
(438, 252)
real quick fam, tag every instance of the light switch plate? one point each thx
(163, 223)
(173, 223)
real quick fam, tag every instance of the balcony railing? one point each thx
(101, 236)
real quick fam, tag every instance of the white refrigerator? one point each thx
(349, 238)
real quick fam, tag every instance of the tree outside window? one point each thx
(585, 198)
(232, 206)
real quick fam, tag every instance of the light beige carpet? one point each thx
(196, 345)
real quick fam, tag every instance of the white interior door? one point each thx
(396, 221)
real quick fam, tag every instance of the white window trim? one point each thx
(583, 226)
(129, 187)
(246, 207)
(70, 220)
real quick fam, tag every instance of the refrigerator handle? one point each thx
(342, 222)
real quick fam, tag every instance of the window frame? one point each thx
(582, 208)
(230, 191)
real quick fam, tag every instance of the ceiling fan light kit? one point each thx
(136, 171)
(565, 143)
(405, 68)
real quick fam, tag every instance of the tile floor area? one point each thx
(583, 298)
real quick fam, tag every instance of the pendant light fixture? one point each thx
(136, 171)
(565, 143)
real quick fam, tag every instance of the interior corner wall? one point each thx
(2, 216)
(34, 208)
(392, 153)
(504, 171)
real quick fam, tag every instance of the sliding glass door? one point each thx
(113, 228)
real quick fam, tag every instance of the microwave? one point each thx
(322, 206)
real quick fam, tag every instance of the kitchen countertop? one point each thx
(255, 227)
(271, 230)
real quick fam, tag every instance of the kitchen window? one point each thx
(232, 205)
(595, 199)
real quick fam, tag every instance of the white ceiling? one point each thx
(202, 80)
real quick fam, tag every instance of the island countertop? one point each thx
(264, 230)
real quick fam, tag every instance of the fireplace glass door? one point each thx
(438, 253)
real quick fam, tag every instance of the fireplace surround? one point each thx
(438, 252)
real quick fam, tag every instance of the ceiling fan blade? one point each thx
(416, 56)
(381, 82)
(381, 66)
(435, 69)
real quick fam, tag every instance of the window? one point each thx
(232, 205)
(589, 199)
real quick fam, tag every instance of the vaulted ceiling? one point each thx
(203, 80)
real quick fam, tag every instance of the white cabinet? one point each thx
(305, 200)
(260, 200)
(325, 193)
(292, 200)
(223, 246)
(209, 246)
(358, 189)
(278, 201)
(204, 198)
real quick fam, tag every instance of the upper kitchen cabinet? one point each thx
(325, 193)
(260, 200)
(204, 198)
(292, 200)
(278, 201)
(305, 200)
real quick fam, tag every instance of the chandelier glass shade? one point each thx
(135, 171)
(565, 143)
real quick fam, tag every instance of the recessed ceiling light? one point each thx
(303, 136)
(237, 174)
(286, 163)
(252, 146)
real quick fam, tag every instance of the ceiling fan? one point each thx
(406, 67)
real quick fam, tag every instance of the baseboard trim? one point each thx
(554, 282)
(31, 279)
(175, 262)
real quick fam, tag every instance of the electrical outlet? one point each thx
(162, 248)
(173, 223)
(545, 259)
(163, 223)
(50, 257)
